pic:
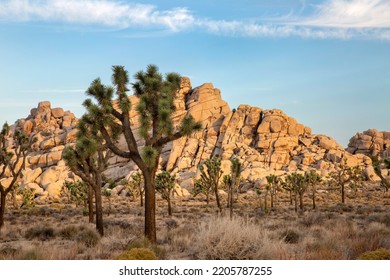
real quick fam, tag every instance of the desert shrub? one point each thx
(290, 236)
(145, 243)
(69, 232)
(383, 218)
(41, 232)
(313, 218)
(225, 239)
(89, 237)
(380, 254)
(137, 254)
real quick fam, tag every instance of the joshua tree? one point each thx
(385, 183)
(346, 176)
(136, 186)
(88, 159)
(296, 183)
(235, 170)
(165, 184)
(12, 161)
(273, 185)
(201, 186)
(156, 95)
(211, 176)
(312, 178)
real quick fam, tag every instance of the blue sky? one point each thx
(324, 62)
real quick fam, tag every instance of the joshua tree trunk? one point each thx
(231, 201)
(342, 194)
(265, 200)
(99, 209)
(301, 201)
(207, 198)
(217, 199)
(169, 206)
(296, 201)
(150, 205)
(314, 196)
(272, 199)
(90, 204)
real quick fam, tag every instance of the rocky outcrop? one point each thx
(371, 143)
(53, 128)
(265, 141)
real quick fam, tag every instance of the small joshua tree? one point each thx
(13, 161)
(312, 179)
(201, 186)
(296, 183)
(211, 176)
(165, 184)
(376, 163)
(345, 176)
(235, 171)
(273, 186)
(136, 186)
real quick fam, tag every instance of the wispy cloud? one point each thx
(103, 12)
(353, 14)
(341, 19)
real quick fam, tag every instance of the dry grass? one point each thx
(196, 231)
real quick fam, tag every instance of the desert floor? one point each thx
(58, 230)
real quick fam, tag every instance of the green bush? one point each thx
(159, 252)
(380, 254)
(138, 254)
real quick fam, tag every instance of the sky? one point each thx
(324, 62)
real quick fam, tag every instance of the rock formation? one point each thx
(265, 141)
(371, 143)
(53, 128)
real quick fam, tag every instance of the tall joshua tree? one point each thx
(156, 95)
(12, 161)
(88, 159)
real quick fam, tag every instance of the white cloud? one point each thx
(354, 14)
(341, 19)
(103, 12)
